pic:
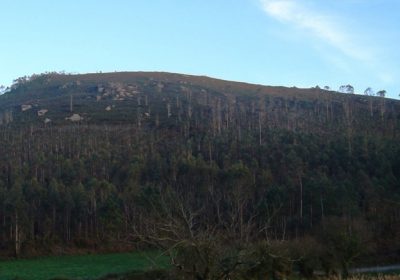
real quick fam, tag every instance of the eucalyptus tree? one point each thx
(346, 89)
(370, 92)
(382, 94)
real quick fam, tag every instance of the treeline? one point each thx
(83, 183)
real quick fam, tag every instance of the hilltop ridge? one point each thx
(132, 97)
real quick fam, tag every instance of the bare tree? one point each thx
(382, 94)
(370, 92)
(204, 250)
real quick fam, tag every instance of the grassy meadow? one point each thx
(78, 267)
(107, 266)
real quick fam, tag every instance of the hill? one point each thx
(92, 94)
(91, 161)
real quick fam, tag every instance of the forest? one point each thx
(225, 178)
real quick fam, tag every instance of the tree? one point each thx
(346, 89)
(17, 205)
(382, 94)
(344, 241)
(205, 251)
(54, 199)
(370, 92)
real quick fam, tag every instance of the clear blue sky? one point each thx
(300, 43)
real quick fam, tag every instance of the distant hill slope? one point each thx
(157, 98)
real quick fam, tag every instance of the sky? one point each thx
(302, 43)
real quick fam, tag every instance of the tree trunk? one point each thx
(259, 128)
(301, 197)
(17, 236)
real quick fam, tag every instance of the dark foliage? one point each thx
(251, 162)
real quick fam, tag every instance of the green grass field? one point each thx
(79, 267)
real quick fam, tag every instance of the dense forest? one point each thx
(149, 160)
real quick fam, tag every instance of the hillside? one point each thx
(100, 161)
(161, 97)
